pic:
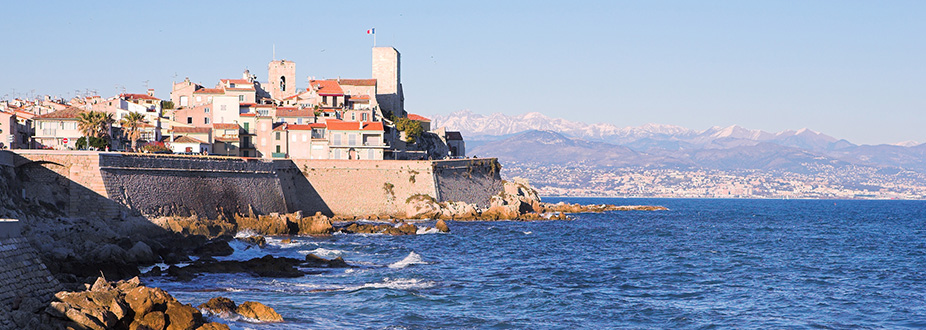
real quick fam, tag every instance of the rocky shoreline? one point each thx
(78, 251)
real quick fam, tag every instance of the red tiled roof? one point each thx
(293, 112)
(69, 113)
(249, 114)
(225, 126)
(236, 81)
(338, 125)
(359, 97)
(238, 89)
(225, 139)
(138, 96)
(417, 117)
(191, 130)
(328, 87)
(357, 82)
(210, 91)
(186, 139)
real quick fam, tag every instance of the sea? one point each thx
(703, 264)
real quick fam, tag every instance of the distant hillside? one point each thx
(533, 137)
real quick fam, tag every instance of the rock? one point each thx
(128, 284)
(108, 253)
(214, 248)
(101, 285)
(141, 253)
(258, 240)
(442, 226)
(182, 317)
(143, 299)
(155, 320)
(220, 306)
(421, 207)
(213, 326)
(85, 320)
(286, 241)
(318, 224)
(313, 260)
(258, 311)
(273, 224)
(402, 229)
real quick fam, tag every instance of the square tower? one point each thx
(387, 72)
(282, 79)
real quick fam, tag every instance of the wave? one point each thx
(323, 252)
(396, 284)
(426, 230)
(246, 233)
(411, 259)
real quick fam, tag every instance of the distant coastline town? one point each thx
(363, 119)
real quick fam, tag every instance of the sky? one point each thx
(850, 69)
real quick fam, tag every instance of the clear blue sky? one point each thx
(850, 69)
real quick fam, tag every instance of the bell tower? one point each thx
(282, 79)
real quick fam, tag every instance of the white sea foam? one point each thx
(528, 232)
(246, 233)
(427, 230)
(397, 284)
(325, 253)
(411, 259)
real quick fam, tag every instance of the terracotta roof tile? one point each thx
(191, 130)
(293, 112)
(417, 117)
(338, 125)
(225, 126)
(210, 91)
(69, 113)
(138, 97)
(327, 87)
(186, 139)
(357, 82)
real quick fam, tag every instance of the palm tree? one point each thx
(87, 122)
(105, 122)
(131, 127)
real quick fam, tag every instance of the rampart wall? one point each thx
(25, 283)
(108, 184)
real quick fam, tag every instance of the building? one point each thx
(59, 129)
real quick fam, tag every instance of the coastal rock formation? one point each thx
(442, 226)
(266, 266)
(225, 308)
(124, 305)
(517, 201)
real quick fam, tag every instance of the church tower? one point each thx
(282, 79)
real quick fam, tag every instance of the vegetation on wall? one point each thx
(411, 127)
(95, 142)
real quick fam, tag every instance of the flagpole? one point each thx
(374, 37)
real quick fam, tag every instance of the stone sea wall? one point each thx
(25, 283)
(108, 185)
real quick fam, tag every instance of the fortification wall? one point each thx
(467, 180)
(25, 283)
(366, 187)
(108, 185)
(204, 186)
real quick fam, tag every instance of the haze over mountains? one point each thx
(536, 138)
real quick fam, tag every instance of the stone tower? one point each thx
(282, 79)
(387, 72)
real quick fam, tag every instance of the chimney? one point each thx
(151, 92)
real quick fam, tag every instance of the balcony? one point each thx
(277, 155)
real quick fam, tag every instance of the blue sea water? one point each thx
(704, 264)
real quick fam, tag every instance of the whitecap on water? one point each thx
(246, 233)
(411, 259)
(397, 284)
(323, 252)
(426, 230)
(528, 232)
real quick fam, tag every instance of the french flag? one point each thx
(371, 31)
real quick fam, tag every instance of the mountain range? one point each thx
(536, 138)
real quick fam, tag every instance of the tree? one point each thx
(95, 124)
(411, 127)
(131, 127)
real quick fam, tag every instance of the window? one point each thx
(206, 120)
(299, 120)
(247, 127)
(352, 139)
(370, 153)
(184, 101)
(207, 110)
(353, 116)
(240, 99)
(278, 138)
(324, 99)
(223, 107)
(278, 149)
(364, 116)
(336, 139)
(189, 120)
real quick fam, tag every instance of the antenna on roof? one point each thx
(146, 84)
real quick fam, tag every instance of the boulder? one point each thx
(402, 229)
(213, 326)
(421, 207)
(257, 240)
(155, 320)
(258, 311)
(214, 248)
(220, 306)
(442, 226)
(318, 224)
(182, 317)
(312, 260)
(144, 299)
(142, 253)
